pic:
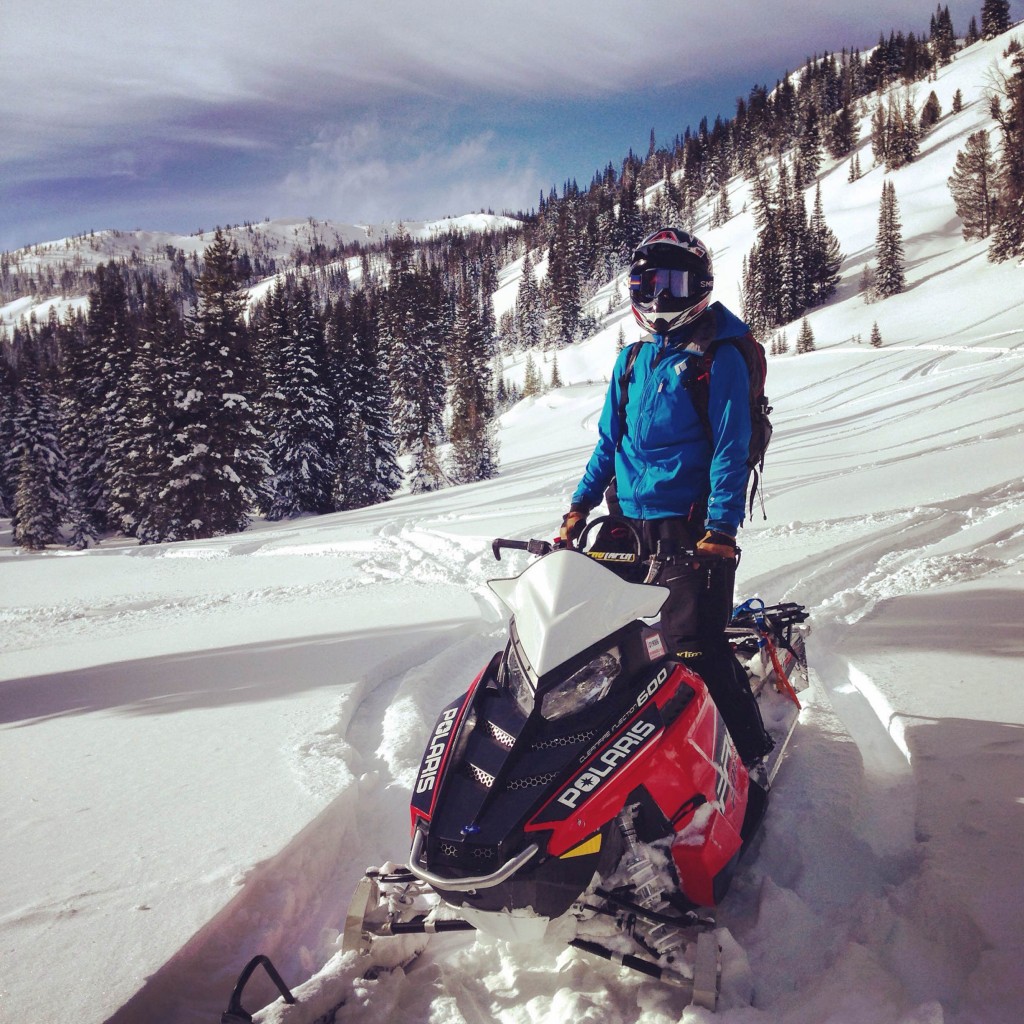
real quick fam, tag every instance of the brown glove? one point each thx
(573, 523)
(714, 542)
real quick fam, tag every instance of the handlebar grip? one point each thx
(534, 547)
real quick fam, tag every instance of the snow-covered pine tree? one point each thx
(563, 282)
(973, 185)
(471, 403)
(532, 384)
(149, 448)
(890, 276)
(221, 467)
(842, 133)
(824, 257)
(1008, 237)
(942, 36)
(805, 339)
(793, 250)
(809, 149)
(39, 497)
(301, 439)
(529, 307)
(556, 377)
(367, 462)
(8, 467)
(995, 18)
(876, 336)
(93, 368)
(409, 319)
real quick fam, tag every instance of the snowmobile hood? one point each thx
(565, 602)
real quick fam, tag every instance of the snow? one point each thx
(204, 744)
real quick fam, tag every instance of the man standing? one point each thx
(673, 446)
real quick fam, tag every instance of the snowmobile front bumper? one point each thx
(503, 874)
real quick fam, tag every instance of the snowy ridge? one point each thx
(275, 240)
(205, 744)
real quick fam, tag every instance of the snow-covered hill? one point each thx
(271, 241)
(203, 745)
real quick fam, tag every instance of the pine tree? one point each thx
(94, 371)
(890, 276)
(367, 470)
(474, 451)
(972, 185)
(854, 172)
(824, 256)
(410, 316)
(8, 466)
(39, 498)
(809, 145)
(529, 307)
(943, 37)
(876, 336)
(532, 384)
(805, 339)
(958, 101)
(931, 112)
(220, 472)
(842, 134)
(563, 282)
(141, 496)
(301, 438)
(1008, 237)
(995, 18)
(556, 377)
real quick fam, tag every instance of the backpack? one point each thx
(699, 387)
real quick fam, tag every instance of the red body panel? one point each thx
(690, 769)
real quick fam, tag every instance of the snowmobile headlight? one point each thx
(520, 686)
(585, 686)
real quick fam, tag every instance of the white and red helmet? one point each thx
(670, 280)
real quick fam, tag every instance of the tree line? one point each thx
(166, 424)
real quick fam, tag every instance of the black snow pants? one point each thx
(693, 620)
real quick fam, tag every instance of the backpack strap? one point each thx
(634, 351)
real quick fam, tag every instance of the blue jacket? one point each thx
(665, 462)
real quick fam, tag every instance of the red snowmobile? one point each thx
(584, 789)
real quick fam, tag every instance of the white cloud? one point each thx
(371, 175)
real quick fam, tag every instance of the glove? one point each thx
(573, 523)
(716, 543)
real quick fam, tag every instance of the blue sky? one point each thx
(182, 114)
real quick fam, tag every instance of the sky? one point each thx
(180, 116)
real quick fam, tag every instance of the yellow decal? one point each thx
(592, 845)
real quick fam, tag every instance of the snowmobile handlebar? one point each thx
(534, 547)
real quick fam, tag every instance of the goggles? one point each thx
(653, 281)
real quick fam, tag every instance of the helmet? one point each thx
(670, 280)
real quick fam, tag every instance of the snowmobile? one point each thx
(584, 789)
